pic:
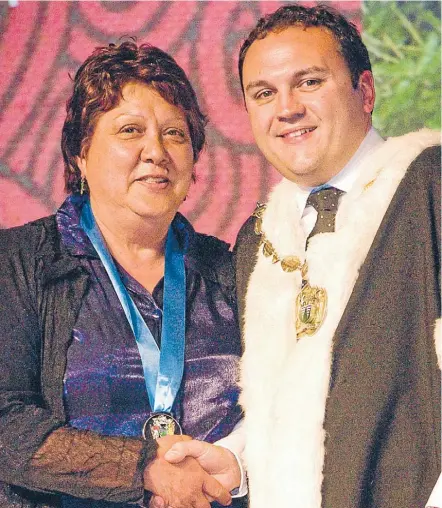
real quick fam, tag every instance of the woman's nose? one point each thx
(290, 106)
(154, 150)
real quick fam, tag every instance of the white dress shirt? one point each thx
(344, 180)
(235, 442)
(435, 500)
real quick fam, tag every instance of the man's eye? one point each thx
(264, 94)
(310, 83)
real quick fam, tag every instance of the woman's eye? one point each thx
(176, 133)
(130, 129)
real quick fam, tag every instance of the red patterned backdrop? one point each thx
(42, 43)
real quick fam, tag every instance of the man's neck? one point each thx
(346, 178)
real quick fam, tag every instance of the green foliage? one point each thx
(404, 41)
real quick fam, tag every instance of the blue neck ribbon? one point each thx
(163, 370)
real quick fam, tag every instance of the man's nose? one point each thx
(153, 150)
(290, 106)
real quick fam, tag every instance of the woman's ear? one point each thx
(81, 163)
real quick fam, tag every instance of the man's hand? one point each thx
(216, 460)
(184, 484)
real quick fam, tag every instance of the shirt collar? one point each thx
(346, 178)
(72, 234)
(200, 250)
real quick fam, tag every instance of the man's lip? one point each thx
(299, 130)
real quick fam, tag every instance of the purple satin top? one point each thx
(104, 386)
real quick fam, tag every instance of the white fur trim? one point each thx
(285, 381)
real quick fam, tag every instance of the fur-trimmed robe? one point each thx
(349, 417)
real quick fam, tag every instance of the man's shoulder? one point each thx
(420, 151)
(425, 169)
(248, 240)
(429, 158)
(245, 251)
(247, 233)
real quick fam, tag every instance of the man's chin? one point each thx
(304, 175)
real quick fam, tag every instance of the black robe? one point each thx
(383, 411)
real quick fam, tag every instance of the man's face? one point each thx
(306, 117)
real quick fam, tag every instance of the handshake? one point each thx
(191, 474)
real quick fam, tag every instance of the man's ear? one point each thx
(366, 86)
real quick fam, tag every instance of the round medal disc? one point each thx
(160, 425)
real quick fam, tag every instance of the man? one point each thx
(341, 387)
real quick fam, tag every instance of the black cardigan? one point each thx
(41, 288)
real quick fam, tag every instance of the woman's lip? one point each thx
(153, 179)
(154, 184)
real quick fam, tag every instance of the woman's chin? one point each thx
(155, 209)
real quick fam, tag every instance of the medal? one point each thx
(160, 425)
(311, 308)
(311, 302)
(163, 370)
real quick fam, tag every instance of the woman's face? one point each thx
(140, 157)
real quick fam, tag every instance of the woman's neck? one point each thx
(136, 243)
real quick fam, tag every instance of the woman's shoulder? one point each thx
(29, 237)
(214, 254)
(213, 246)
(209, 256)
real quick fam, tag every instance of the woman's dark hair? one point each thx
(98, 85)
(346, 34)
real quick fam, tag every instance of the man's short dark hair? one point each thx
(98, 85)
(346, 34)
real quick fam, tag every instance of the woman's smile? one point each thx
(140, 158)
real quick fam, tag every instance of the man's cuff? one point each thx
(235, 443)
(435, 500)
(242, 490)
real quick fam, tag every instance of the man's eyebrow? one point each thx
(309, 70)
(296, 75)
(256, 84)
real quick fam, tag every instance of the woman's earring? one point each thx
(82, 185)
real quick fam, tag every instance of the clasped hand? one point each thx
(190, 474)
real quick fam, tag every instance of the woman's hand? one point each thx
(182, 485)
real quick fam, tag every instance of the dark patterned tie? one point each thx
(325, 202)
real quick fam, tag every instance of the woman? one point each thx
(118, 321)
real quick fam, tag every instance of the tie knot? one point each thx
(325, 200)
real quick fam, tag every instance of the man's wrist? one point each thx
(234, 442)
(240, 488)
